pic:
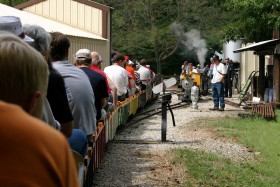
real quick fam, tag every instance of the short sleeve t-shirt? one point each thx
(99, 88)
(57, 98)
(119, 76)
(218, 71)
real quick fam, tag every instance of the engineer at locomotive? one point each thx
(45, 156)
(184, 67)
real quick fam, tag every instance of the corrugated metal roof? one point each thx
(257, 46)
(86, 2)
(47, 24)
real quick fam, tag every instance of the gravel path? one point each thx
(147, 164)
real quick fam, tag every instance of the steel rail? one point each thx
(145, 117)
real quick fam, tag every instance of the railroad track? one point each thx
(155, 111)
(134, 123)
(149, 113)
(232, 103)
(227, 101)
(266, 110)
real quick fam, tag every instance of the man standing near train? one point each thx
(219, 72)
(228, 78)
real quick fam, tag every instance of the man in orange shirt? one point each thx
(129, 68)
(32, 153)
(131, 76)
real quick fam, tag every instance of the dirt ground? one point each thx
(148, 163)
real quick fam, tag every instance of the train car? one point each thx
(106, 132)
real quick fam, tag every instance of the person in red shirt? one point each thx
(96, 62)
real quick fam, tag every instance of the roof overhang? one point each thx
(86, 2)
(268, 47)
(47, 24)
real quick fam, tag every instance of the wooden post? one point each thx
(261, 79)
(275, 34)
(276, 77)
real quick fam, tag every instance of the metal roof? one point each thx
(86, 2)
(47, 24)
(268, 46)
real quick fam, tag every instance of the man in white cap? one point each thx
(13, 25)
(97, 81)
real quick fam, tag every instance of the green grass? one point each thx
(260, 135)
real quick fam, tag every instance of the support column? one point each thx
(261, 79)
(276, 77)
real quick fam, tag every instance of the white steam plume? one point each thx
(192, 40)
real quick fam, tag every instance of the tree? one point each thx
(144, 28)
(256, 19)
(12, 2)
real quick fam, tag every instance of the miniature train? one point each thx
(106, 131)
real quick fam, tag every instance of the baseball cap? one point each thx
(83, 54)
(130, 62)
(215, 57)
(13, 25)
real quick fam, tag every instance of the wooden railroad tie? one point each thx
(265, 110)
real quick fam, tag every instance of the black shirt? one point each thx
(99, 88)
(57, 98)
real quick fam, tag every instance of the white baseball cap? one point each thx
(13, 25)
(83, 54)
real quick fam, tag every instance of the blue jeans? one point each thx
(78, 142)
(218, 93)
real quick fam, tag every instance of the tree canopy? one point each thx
(12, 2)
(170, 31)
(256, 19)
(160, 30)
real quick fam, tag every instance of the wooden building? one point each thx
(86, 16)
(268, 55)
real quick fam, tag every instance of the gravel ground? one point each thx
(146, 164)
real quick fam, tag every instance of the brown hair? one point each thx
(59, 47)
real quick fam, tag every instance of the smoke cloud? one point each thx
(192, 40)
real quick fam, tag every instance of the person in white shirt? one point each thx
(145, 77)
(118, 75)
(218, 92)
(184, 67)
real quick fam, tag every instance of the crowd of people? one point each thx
(219, 75)
(50, 106)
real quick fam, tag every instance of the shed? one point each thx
(269, 47)
(87, 16)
